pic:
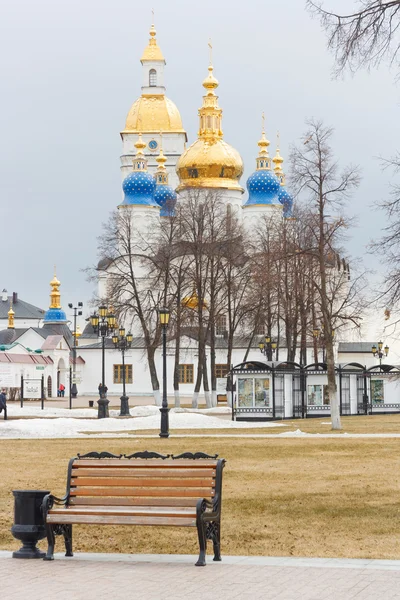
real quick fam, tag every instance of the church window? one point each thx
(220, 325)
(186, 373)
(193, 173)
(152, 78)
(118, 373)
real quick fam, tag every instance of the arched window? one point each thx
(152, 78)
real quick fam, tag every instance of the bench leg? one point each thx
(201, 530)
(51, 542)
(216, 539)
(67, 533)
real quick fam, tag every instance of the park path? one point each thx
(171, 577)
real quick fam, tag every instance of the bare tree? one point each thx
(365, 37)
(315, 175)
(389, 244)
(133, 285)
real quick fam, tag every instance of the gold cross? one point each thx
(152, 16)
(263, 121)
(210, 46)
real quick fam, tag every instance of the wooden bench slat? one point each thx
(127, 510)
(161, 492)
(133, 472)
(140, 463)
(121, 520)
(141, 482)
(138, 501)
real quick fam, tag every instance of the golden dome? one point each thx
(55, 295)
(278, 161)
(152, 50)
(152, 114)
(192, 301)
(210, 162)
(11, 314)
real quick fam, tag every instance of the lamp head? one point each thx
(164, 316)
(103, 311)
(261, 346)
(267, 339)
(69, 305)
(274, 345)
(122, 332)
(386, 349)
(80, 304)
(129, 338)
(94, 321)
(115, 340)
(380, 346)
(374, 349)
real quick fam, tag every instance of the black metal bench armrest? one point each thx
(206, 510)
(49, 500)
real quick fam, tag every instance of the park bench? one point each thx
(144, 488)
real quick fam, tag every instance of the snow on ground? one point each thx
(62, 425)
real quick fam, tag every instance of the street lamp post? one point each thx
(380, 351)
(77, 312)
(267, 347)
(123, 342)
(103, 324)
(164, 319)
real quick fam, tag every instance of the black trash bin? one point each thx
(29, 526)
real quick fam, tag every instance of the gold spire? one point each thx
(278, 161)
(11, 317)
(263, 159)
(55, 295)
(210, 114)
(152, 50)
(161, 173)
(140, 162)
(77, 334)
(210, 162)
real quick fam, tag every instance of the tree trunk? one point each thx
(153, 375)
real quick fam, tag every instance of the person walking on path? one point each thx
(3, 403)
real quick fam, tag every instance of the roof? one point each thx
(137, 343)
(8, 336)
(356, 347)
(22, 309)
(51, 342)
(79, 360)
(25, 358)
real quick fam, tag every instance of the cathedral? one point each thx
(154, 141)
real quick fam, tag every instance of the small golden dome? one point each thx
(278, 161)
(152, 50)
(11, 314)
(210, 162)
(150, 114)
(192, 301)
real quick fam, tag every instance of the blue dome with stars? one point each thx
(263, 187)
(165, 196)
(286, 199)
(139, 188)
(55, 315)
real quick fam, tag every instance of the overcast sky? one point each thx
(70, 71)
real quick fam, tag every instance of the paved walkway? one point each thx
(171, 577)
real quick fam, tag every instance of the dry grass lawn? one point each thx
(300, 497)
(355, 424)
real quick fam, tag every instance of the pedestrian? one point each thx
(3, 400)
(62, 390)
